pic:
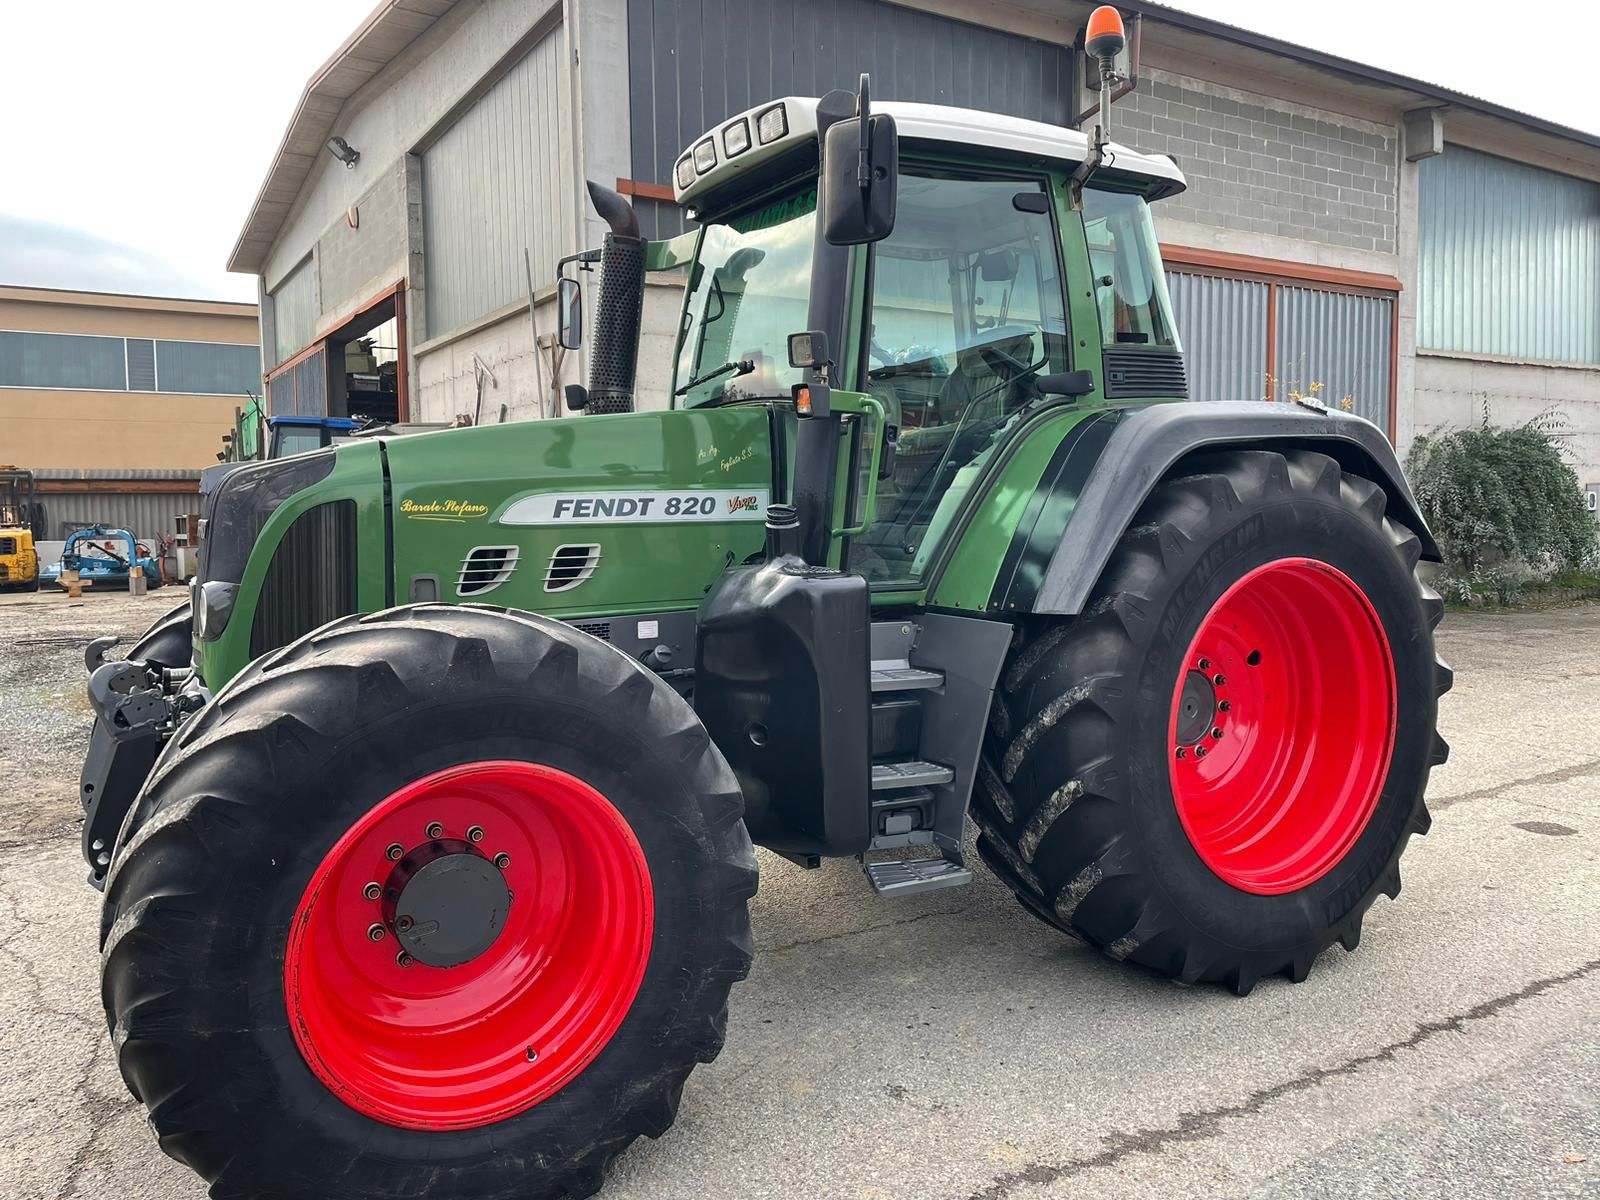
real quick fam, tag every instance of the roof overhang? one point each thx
(391, 27)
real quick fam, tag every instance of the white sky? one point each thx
(137, 134)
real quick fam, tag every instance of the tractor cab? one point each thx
(1002, 289)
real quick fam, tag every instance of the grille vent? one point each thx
(486, 568)
(599, 629)
(312, 578)
(570, 566)
(1135, 374)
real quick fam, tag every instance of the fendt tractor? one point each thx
(425, 834)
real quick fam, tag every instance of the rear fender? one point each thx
(1146, 446)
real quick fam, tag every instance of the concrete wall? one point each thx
(1263, 165)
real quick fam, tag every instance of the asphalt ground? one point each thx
(951, 1047)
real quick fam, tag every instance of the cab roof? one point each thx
(920, 123)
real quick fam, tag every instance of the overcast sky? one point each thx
(137, 134)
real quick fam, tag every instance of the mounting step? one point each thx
(910, 774)
(897, 677)
(906, 877)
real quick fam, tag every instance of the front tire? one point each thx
(443, 894)
(1214, 770)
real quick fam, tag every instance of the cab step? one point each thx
(898, 677)
(917, 773)
(908, 876)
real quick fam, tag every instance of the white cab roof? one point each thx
(915, 122)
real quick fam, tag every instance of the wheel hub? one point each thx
(446, 903)
(1197, 709)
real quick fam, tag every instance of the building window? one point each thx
(80, 362)
(1508, 260)
(141, 365)
(206, 368)
(63, 360)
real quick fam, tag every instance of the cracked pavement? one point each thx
(950, 1047)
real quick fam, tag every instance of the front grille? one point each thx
(312, 579)
(1136, 374)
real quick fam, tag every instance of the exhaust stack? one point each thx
(614, 359)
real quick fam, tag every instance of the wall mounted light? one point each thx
(343, 151)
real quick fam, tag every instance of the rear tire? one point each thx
(228, 870)
(1089, 802)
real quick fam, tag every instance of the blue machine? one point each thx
(105, 557)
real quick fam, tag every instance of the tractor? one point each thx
(425, 832)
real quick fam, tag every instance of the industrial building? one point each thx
(116, 402)
(1419, 255)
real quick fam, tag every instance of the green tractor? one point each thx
(428, 874)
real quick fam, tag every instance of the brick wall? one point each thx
(1262, 165)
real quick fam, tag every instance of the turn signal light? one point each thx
(802, 401)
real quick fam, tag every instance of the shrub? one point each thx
(1505, 506)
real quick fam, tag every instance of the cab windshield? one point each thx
(748, 291)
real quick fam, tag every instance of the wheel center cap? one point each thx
(1197, 708)
(451, 904)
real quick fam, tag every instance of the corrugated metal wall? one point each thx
(144, 514)
(494, 183)
(294, 311)
(694, 62)
(1508, 259)
(1337, 340)
(1222, 325)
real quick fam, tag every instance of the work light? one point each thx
(772, 124)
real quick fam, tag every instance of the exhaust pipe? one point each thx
(614, 360)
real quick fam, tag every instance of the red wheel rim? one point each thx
(431, 1047)
(1282, 726)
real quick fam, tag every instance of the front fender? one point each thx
(1147, 443)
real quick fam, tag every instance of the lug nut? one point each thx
(475, 834)
(533, 1055)
(1200, 752)
(372, 891)
(395, 851)
(1224, 706)
(1183, 752)
(403, 923)
(1219, 679)
(1205, 664)
(434, 830)
(1217, 733)
(374, 933)
(402, 959)
(502, 860)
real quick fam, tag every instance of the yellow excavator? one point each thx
(19, 561)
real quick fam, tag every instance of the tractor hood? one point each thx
(580, 516)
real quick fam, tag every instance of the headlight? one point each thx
(736, 137)
(685, 172)
(772, 124)
(705, 156)
(213, 605)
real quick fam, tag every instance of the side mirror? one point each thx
(860, 180)
(569, 313)
(1065, 383)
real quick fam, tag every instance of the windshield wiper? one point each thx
(742, 367)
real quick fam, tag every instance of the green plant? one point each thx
(1504, 505)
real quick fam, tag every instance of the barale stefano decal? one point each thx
(442, 510)
(667, 507)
